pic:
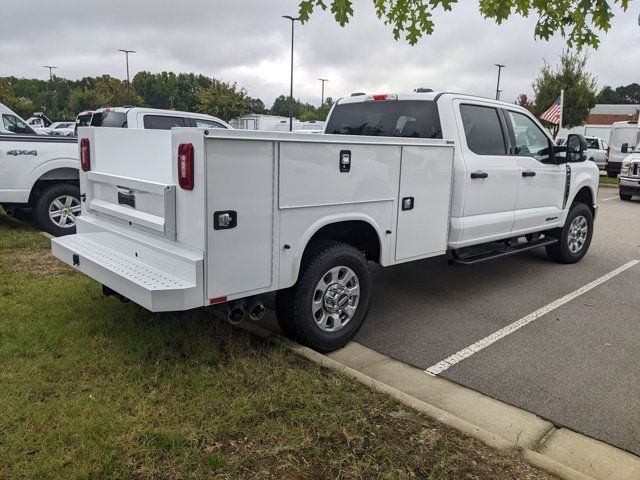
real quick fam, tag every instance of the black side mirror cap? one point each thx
(576, 148)
(624, 148)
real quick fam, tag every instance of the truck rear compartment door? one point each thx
(240, 179)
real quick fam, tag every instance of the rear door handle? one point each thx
(528, 173)
(479, 175)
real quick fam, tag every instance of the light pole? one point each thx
(500, 67)
(126, 53)
(293, 21)
(50, 67)
(322, 101)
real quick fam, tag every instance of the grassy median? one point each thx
(94, 388)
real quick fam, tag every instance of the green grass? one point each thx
(608, 181)
(94, 388)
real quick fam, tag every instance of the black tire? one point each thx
(624, 196)
(294, 305)
(45, 202)
(561, 252)
(611, 174)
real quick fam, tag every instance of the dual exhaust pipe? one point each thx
(239, 310)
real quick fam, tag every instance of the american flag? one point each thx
(552, 115)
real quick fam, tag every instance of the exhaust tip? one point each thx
(257, 311)
(235, 314)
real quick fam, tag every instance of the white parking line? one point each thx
(610, 198)
(503, 332)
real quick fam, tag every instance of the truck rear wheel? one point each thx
(625, 196)
(330, 300)
(56, 209)
(575, 237)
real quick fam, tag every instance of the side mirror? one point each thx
(576, 148)
(624, 148)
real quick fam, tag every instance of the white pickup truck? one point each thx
(224, 216)
(41, 171)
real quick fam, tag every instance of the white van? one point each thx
(624, 136)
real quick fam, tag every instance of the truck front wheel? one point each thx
(56, 209)
(575, 237)
(330, 300)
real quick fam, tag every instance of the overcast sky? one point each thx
(248, 42)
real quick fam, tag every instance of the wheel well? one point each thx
(58, 175)
(585, 196)
(357, 233)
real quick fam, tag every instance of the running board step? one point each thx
(506, 252)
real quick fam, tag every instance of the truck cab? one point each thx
(152, 119)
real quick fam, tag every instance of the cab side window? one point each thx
(203, 123)
(14, 124)
(530, 139)
(162, 122)
(483, 130)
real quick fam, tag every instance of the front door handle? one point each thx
(528, 173)
(479, 175)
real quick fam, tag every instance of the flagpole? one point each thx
(561, 109)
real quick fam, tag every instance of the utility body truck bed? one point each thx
(223, 216)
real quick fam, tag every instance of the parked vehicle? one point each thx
(152, 118)
(62, 129)
(41, 171)
(630, 174)
(223, 215)
(622, 133)
(597, 151)
(39, 122)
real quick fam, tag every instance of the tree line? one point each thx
(63, 99)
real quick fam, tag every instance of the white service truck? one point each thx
(224, 216)
(41, 171)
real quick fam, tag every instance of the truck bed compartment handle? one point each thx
(528, 173)
(479, 175)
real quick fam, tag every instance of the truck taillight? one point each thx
(85, 155)
(185, 166)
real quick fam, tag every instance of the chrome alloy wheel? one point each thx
(64, 210)
(335, 299)
(578, 231)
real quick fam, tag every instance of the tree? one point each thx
(81, 99)
(579, 90)
(523, 101)
(578, 21)
(22, 106)
(222, 100)
(623, 94)
(117, 92)
(257, 106)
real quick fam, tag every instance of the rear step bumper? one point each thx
(506, 252)
(159, 280)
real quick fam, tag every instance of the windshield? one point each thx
(404, 118)
(109, 119)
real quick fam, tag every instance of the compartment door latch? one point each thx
(225, 219)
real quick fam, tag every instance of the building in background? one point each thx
(601, 117)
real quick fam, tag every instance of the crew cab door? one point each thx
(541, 182)
(491, 175)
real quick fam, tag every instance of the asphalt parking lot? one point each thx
(576, 365)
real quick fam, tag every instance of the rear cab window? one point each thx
(109, 119)
(394, 118)
(483, 130)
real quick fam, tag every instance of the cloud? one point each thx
(247, 41)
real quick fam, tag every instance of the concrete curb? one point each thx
(607, 185)
(558, 451)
